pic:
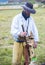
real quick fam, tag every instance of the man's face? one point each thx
(28, 13)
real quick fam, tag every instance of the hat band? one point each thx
(27, 8)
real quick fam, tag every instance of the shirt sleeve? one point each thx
(35, 32)
(15, 28)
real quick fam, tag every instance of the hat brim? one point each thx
(29, 9)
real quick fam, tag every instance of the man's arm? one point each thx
(35, 33)
(15, 28)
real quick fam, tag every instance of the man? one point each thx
(28, 23)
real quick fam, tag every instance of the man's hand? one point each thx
(22, 34)
(35, 44)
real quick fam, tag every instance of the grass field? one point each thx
(6, 17)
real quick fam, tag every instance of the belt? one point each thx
(20, 41)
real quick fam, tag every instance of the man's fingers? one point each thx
(23, 34)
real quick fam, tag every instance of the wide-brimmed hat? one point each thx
(29, 7)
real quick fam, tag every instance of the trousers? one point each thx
(19, 49)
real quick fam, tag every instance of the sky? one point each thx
(3, 0)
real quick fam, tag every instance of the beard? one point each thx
(25, 15)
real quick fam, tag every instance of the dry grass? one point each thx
(6, 39)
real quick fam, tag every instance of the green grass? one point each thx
(6, 17)
(6, 56)
(6, 20)
(40, 22)
(32, 1)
